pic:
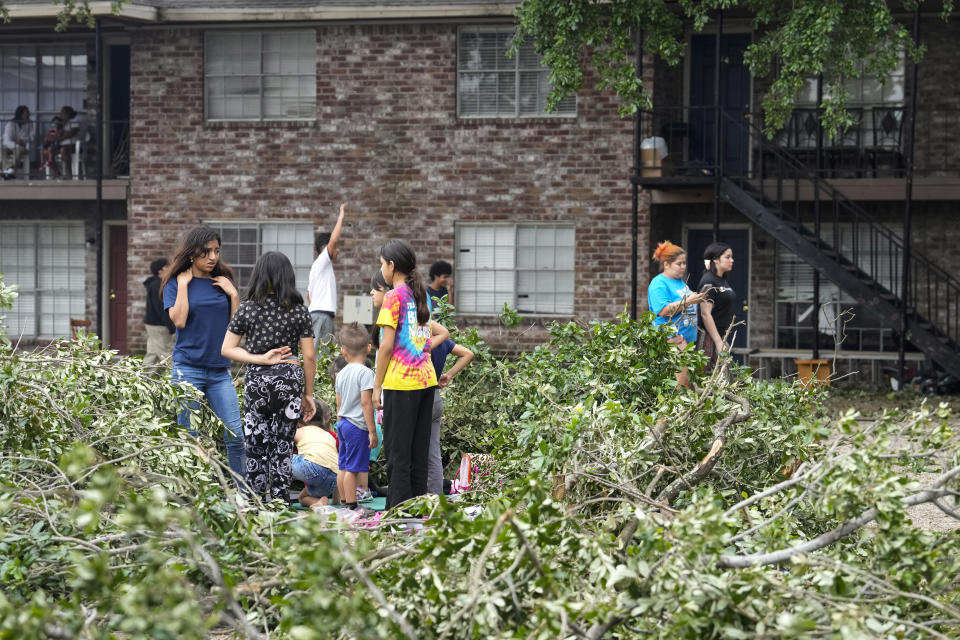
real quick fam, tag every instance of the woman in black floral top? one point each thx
(277, 390)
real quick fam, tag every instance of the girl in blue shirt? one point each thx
(200, 296)
(669, 297)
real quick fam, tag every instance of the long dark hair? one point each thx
(194, 245)
(273, 276)
(377, 282)
(713, 252)
(405, 261)
(19, 113)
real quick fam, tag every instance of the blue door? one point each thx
(735, 94)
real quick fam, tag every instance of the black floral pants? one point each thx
(272, 398)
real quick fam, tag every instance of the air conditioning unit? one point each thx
(358, 309)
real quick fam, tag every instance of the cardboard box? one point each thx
(651, 166)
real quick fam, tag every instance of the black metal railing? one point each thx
(46, 162)
(872, 147)
(848, 234)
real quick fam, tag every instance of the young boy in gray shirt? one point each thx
(358, 432)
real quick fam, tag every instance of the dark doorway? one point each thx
(739, 278)
(118, 126)
(735, 94)
(117, 303)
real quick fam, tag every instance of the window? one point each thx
(244, 242)
(46, 261)
(529, 267)
(44, 78)
(261, 75)
(489, 84)
(867, 89)
(876, 110)
(857, 330)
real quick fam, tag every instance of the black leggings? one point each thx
(272, 398)
(406, 430)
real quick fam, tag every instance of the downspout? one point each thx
(718, 131)
(815, 316)
(99, 133)
(907, 213)
(635, 217)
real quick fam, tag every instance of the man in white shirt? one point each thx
(322, 286)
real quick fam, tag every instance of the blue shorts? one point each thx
(320, 481)
(354, 447)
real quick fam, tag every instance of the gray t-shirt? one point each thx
(351, 380)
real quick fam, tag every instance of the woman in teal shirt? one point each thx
(669, 297)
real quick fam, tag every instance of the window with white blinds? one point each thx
(260, 75)
(489, 84)
(242, 243)
(46, 260)
(839, 318)
(529, 267)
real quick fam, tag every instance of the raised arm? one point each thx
(337, 230)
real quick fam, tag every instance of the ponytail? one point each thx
(415, 282)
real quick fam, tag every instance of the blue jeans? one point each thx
(217, 386)
(321, 482)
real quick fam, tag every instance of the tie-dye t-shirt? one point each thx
(410, 366)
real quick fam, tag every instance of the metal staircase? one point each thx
(814, 232)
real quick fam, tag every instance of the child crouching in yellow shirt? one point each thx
(315, 463)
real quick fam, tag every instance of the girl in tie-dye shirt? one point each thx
(405, 373)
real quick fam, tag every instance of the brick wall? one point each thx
(387, 141)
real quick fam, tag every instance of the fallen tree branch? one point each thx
(698, 473)
(782, 555)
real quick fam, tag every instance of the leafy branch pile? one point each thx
(617, 507)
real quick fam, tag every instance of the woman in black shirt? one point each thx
(277, 390)
(716, 312)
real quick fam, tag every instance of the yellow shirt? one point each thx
(318, 446)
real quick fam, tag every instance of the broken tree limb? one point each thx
(705, 466)
(932, 494)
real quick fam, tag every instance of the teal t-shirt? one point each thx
(661, 292)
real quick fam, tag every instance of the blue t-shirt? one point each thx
(439, 355)
(199, 342)
(661, 292)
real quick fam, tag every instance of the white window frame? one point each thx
(44, 291)
(567, 107)
(512, 262)
(261, 75)
(302, 247)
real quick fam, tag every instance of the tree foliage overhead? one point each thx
(795, 40)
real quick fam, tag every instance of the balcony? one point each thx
(867, 161)
(45, 174)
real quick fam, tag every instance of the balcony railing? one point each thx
(45, 162)
(874, 146)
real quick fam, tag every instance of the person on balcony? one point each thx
(71, 132)
(17, 136)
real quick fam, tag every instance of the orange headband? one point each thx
(666, 252)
